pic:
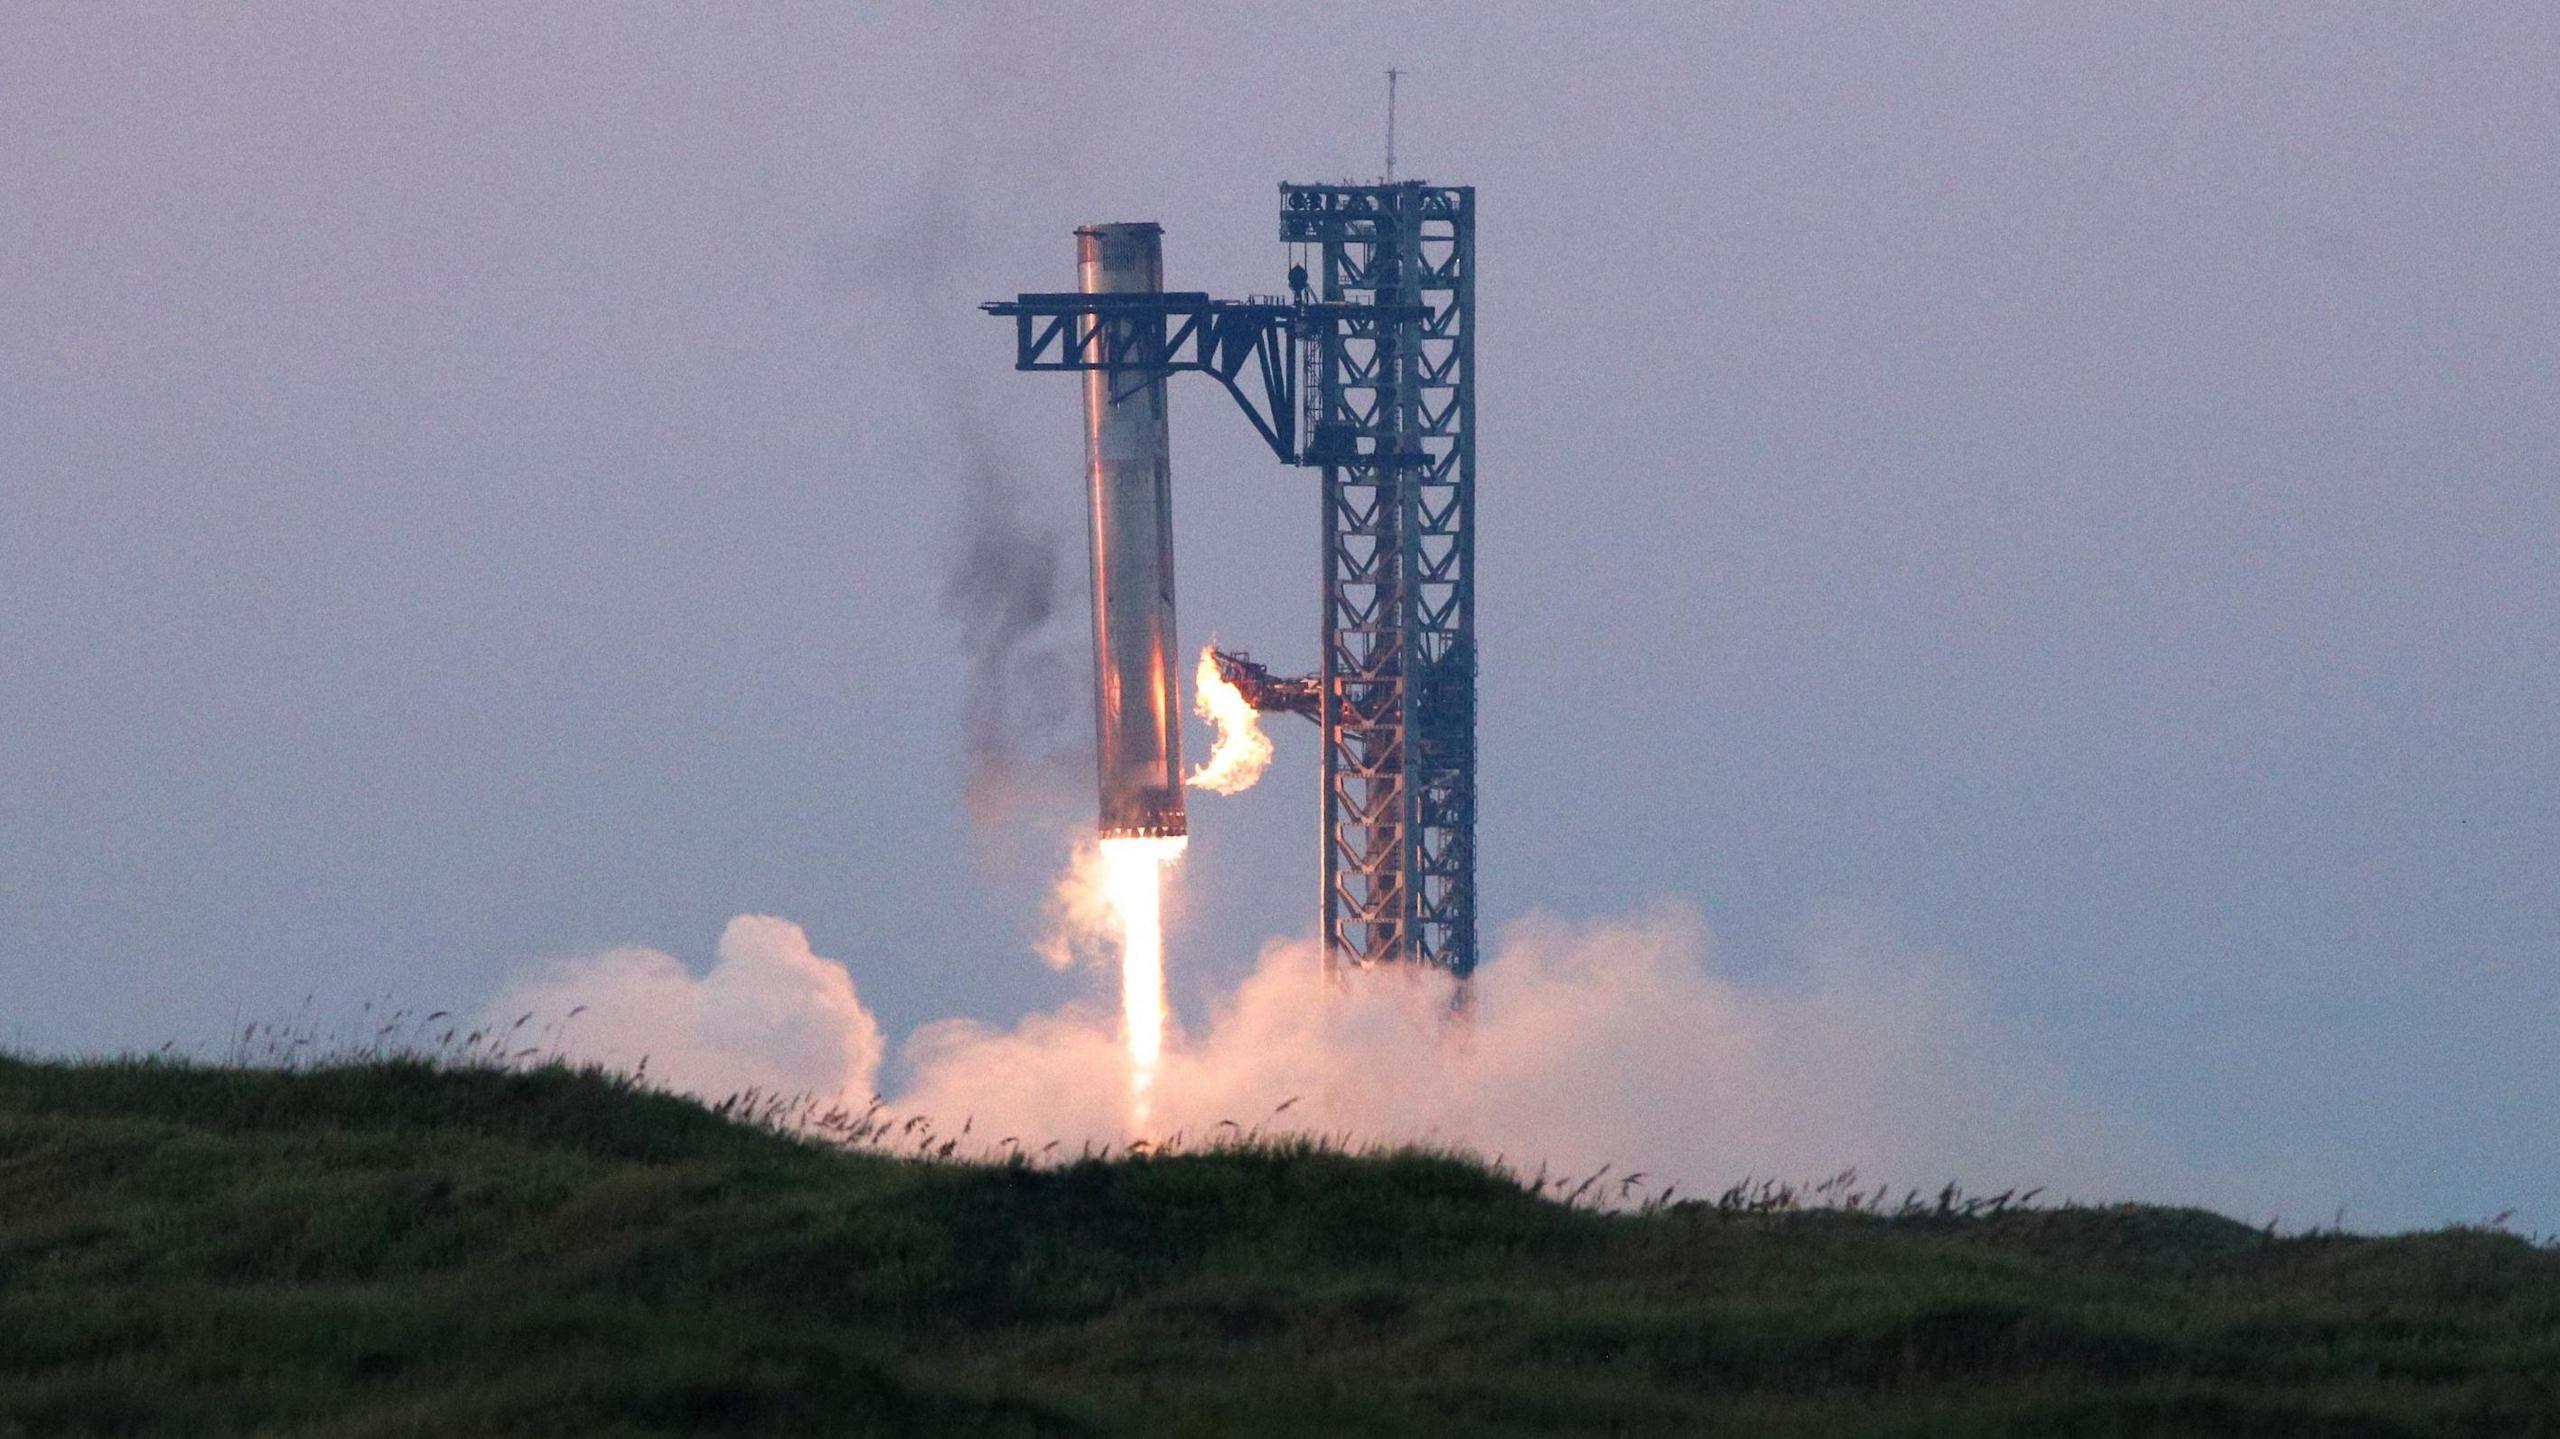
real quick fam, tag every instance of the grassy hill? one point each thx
(398, 1249)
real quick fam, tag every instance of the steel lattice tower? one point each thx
(1390, 417)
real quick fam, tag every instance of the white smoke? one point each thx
(769, 1015)
(1082, 926)
(1610, 1042)
(1587, 1043)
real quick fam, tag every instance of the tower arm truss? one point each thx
(1266, 692)
(1140, 337)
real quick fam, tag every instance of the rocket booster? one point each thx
(1129, 482)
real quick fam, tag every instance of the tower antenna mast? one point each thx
(1392, 73)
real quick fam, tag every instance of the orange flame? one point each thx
(1134, 873)
(1243, 751)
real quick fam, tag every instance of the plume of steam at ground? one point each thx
(1589, 1043)
(769, 1015)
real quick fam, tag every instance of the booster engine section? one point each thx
(1129, 481)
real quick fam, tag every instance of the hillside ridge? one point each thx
(399, 1247)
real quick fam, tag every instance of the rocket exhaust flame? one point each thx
(1134, 872)
(1243, 751)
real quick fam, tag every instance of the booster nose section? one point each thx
(1129, 483)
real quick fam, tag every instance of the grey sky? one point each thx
(2073, 483)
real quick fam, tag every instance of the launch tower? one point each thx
(1364, 373)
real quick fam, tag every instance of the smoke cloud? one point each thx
(1083, 929)
(1002, 592)
(769, 1015)
(1001, 589)
(1609, 1042)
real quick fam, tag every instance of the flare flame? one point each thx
(1243, 751)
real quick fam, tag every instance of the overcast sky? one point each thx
(2073, 484)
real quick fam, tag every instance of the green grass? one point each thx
(397, 1248)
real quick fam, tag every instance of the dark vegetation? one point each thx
(403, 1248)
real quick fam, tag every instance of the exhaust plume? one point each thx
(1134, 876)
(1605, 1042)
